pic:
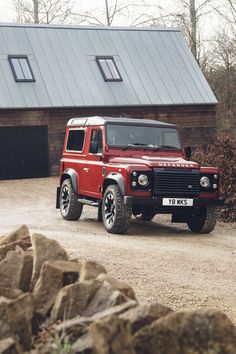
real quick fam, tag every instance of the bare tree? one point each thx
(222, 78)
(129, 12)
(43, 11)
(189, 19)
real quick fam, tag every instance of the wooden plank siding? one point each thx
(197, 123)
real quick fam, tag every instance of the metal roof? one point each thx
(97, 120)
(156, 66)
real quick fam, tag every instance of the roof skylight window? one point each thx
(108, 68)
(21, 68)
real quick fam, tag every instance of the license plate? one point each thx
(178, 202)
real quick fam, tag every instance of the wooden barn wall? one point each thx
(197, 123)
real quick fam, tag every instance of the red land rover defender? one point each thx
(128, 166)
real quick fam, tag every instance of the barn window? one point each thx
(21, 68)
(108, 69)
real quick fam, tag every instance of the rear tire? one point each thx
(115, 214)
(70, 208)
(203, 220)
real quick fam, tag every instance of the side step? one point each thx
(88, 202)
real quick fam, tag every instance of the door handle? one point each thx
(86, 169)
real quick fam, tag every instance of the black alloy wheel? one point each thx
(70, 208)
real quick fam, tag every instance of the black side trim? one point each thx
(58, 198)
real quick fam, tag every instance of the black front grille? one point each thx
(182, 182)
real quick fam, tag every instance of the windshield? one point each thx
(129, 136)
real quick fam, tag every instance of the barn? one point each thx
(49, 74)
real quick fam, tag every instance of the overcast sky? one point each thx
(209, 23)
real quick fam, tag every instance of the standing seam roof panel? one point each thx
(128, 89)
(98, 49)
(198, 76)
(156, 66)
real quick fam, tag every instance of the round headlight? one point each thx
(143, 180)
(205, 182)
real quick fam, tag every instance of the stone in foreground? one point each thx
(16, 270)
(104, 298)
(111, 336)
(22, 233)
(9, 346)
(187, 333)
(118, 285)
(15, 319)
(90, 270)
(73, 299)
(53, 276)
(45, 249)
(144, 314)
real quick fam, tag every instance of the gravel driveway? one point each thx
(162, 261)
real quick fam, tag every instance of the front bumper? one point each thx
(157, 201)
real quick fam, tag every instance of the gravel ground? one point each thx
(163, 262)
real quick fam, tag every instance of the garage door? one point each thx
(23, 152)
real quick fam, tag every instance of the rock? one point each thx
(53, 276)
(45, 249)
(111, 336)
(26, 272)
(73, 299)
(118, 285)
(90, 270)
(24, 245)
(114, 310)
(16, 270)
(22, 233)
(77, 326)
(9, 346)
(187, 333)
(144, 314)
(84, 345)
(10, 293)
(104, 298)
(15, 319)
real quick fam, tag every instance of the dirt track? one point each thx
(162, 261)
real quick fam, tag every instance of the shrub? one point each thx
(222, 154)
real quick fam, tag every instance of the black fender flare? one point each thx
(117, 178)
(73, 175)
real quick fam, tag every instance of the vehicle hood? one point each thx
(154, 161)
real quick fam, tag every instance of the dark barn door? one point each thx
(23, 152)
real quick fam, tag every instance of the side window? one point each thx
(75, 140)
(96, 142)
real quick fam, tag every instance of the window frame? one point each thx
(104, 57)
(91, 133)
(75, 151)
(10, 57)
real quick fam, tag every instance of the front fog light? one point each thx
(143, 180)
(204, 182)
(134, 183)
(214, 186)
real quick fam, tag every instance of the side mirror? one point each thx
(94, 147)
(188, 152)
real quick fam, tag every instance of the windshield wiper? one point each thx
(134, 145)
(166, 147)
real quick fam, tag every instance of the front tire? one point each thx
(70, 208)
(203, 221)
(115, 214)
